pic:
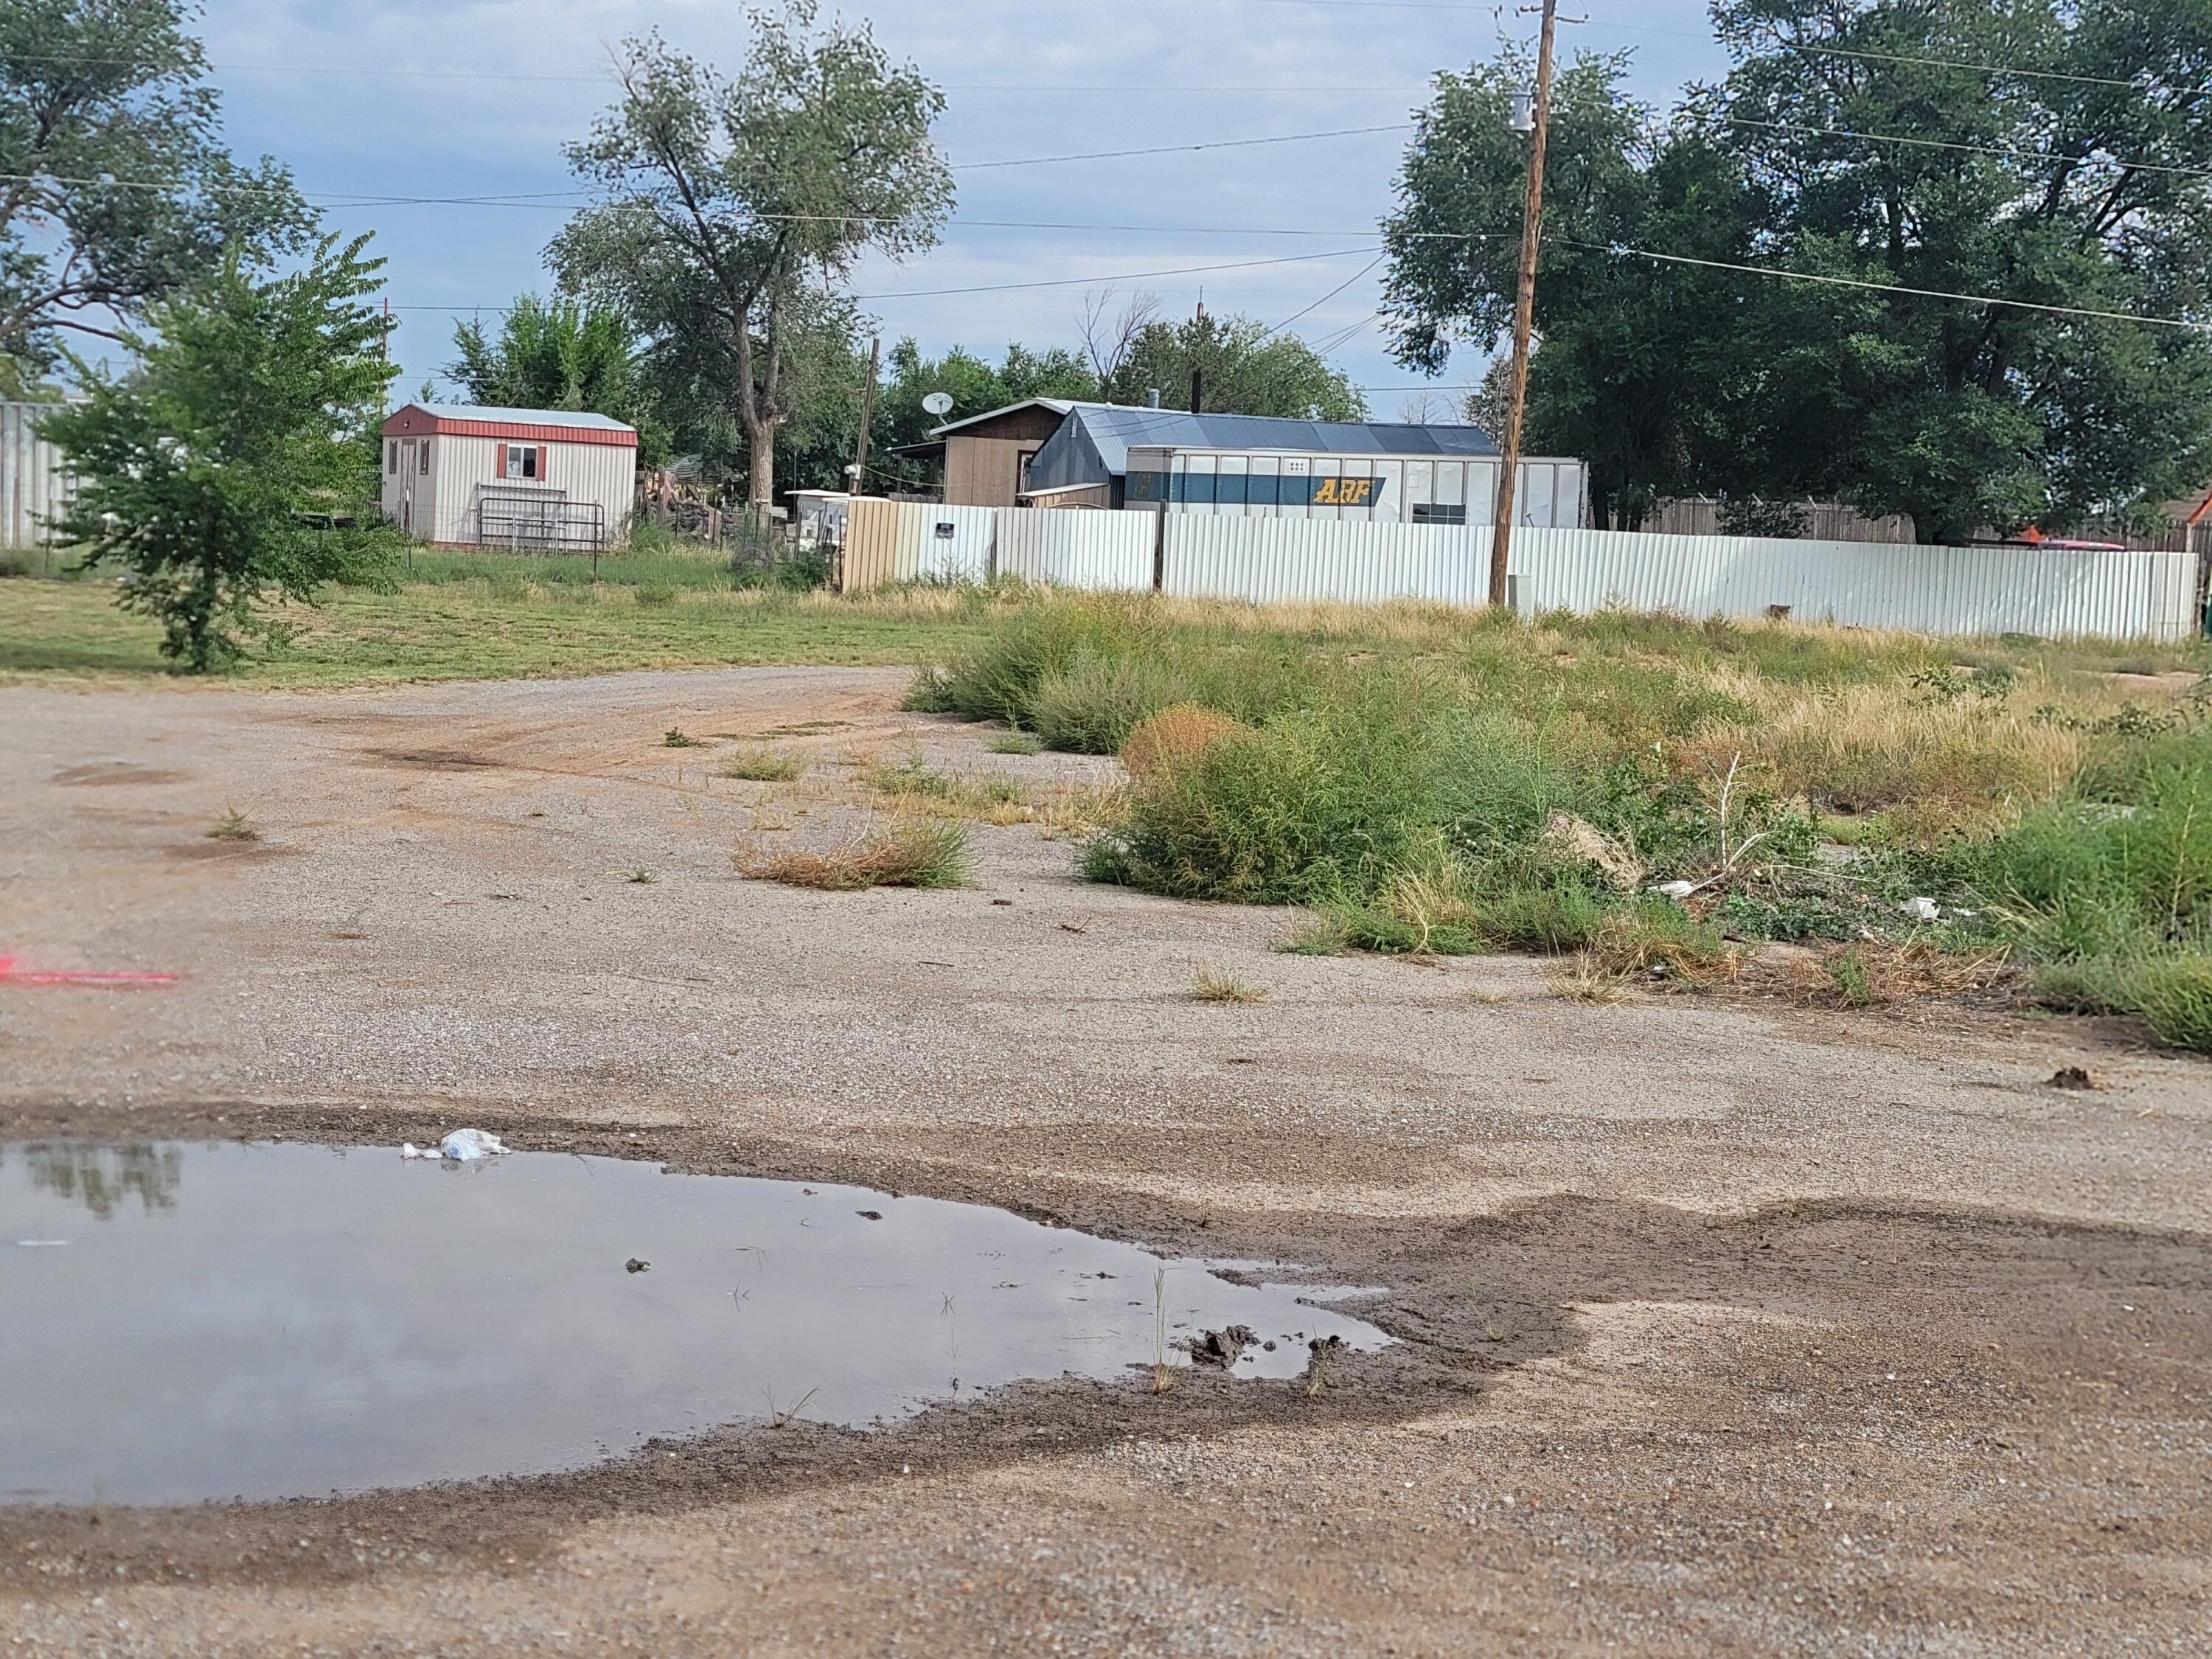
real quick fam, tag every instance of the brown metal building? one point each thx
(986, 457)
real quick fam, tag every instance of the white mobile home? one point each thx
(462, 475)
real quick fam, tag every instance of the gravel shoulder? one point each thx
(1780, 1330)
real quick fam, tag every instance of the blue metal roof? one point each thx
(1093, 443)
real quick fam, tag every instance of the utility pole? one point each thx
(1532, 232)
(867, 414)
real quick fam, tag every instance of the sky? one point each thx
(476, 97)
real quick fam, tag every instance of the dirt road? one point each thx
(1725, 1328)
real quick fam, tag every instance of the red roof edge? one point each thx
(414, 419)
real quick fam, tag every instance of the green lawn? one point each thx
(465, 627)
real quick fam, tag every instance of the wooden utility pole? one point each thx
(867, 414)
(1532, 233)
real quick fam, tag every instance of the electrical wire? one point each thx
(1979, 149)
(1327, 297)
(1178, 149)
(1894, 287)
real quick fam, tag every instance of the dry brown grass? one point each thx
(906, 854)
(1876, 973)
(1174, 737)
(1583, 978)
(1217, 985)
(1885, 745)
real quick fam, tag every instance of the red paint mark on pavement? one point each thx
(12, 973)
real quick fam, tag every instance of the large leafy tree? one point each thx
(115, 187)
(976, 386)
(211, 474)
(738, 207)
(1242, 367)
(1900, 145)
(558, 354)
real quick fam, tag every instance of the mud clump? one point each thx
(1222, 1347)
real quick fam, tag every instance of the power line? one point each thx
(1177, 149)
(1004, 288)
(1327, 297)
(1978, 149)
(1130, 277)
(1893, 287)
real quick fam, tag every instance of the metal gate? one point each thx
(538, 519)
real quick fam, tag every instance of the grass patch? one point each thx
(1015, 743)
(1217, 985)
(233, 825)
(913, 786)
(914, 853)
(677, 738)
(759, 763)
(473, 627)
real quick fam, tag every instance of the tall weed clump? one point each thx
(2111, 897)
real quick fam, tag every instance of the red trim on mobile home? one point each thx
(415, 420)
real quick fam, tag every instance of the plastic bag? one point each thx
(462, 1146)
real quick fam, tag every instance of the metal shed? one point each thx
(1241, 465)
(547, 480)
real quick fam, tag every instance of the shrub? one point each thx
(910, 854)
(1175, 735)
(2174, 994)
(759, 763)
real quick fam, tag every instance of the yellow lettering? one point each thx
(1326, 496)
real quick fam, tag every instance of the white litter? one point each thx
(1676, 890)
(40, 1243)
(462, 1146)
(1923, 909)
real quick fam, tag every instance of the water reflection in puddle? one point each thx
(187, 1321)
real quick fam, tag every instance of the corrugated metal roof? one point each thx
(1057, 405)
(1114, 429)
(493, 415)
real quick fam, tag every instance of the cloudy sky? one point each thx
(476, 97)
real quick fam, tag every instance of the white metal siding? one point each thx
(2051, 593)
(445, 502)
(1077, 549)
(1276, 560)
(34, 489)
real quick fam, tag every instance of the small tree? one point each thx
(737, 208)
(250, 414)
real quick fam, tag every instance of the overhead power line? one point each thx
(1178, 149)
(2127, 162)
(1051, 281)
(1894, 287)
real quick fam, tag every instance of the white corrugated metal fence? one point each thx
(33, 488)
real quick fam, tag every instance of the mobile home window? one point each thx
(522, 460)
(422, 459)
(392, 455)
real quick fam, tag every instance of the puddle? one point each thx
(193, 1320)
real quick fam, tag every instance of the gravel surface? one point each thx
(1781, 1331)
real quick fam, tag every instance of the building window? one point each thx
(392, 455)
(422, 457)
(1022, 472)
(1438, 512)
(521, 460)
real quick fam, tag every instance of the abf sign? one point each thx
(1344, 492)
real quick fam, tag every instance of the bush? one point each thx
(931, 853)
(2174, 994)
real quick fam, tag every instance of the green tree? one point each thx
(975, 387)
(737, 208)
(250, 415)
(1243, 368)
(1672, 376)
(115, 188)
(559, 353)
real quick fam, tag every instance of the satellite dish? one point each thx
(938, 403)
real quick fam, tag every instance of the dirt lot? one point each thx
(1726, 1327)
